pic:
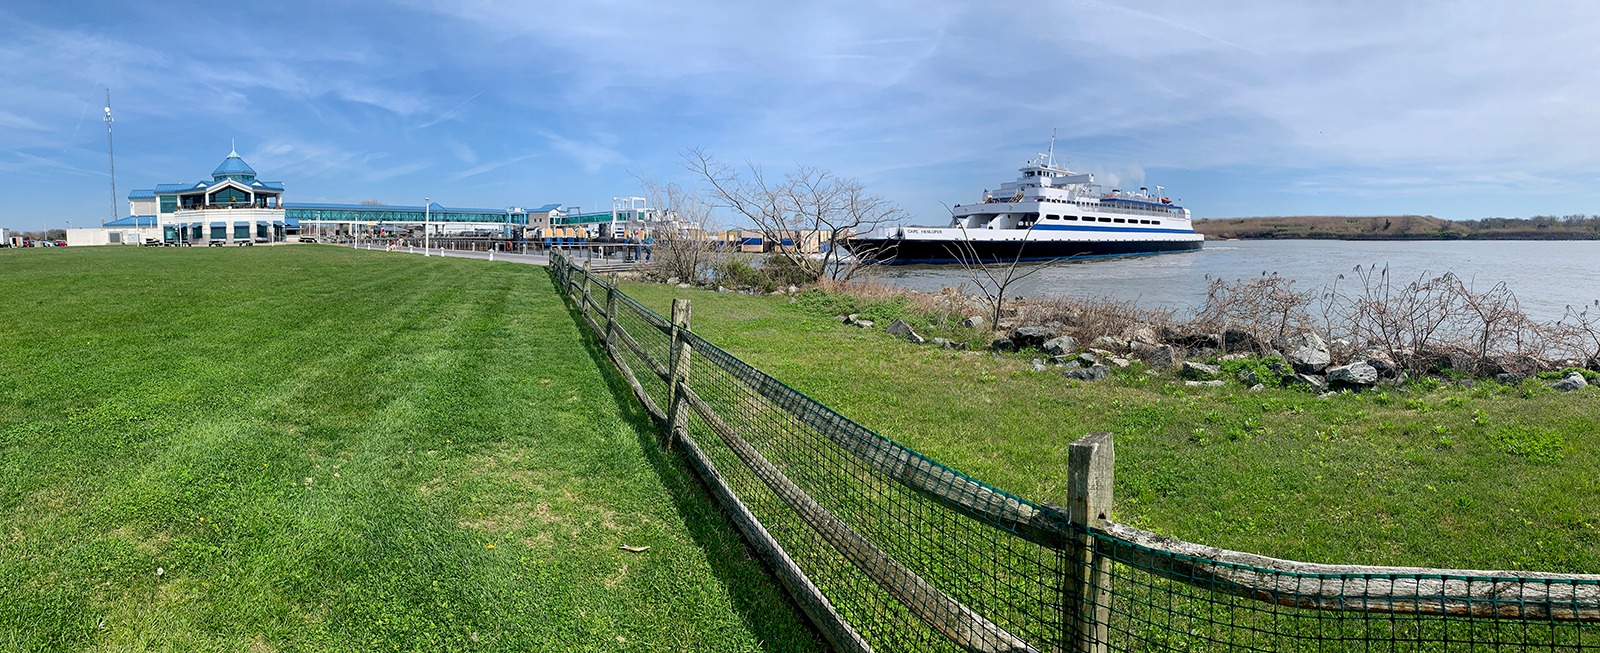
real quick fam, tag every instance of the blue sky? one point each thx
(1456, 109)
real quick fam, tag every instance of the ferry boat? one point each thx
(1048, 213)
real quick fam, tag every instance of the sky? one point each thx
(1460, 109)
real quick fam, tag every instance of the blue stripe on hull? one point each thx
(911, 252)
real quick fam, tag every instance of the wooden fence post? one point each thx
(1088, 592)
(583, 304)
(679, 368)
(611, 310)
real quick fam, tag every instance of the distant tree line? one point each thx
(1404, 227)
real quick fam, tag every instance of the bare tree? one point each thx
(993, 276)
(809, 207)
(683, 246)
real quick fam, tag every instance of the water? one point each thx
(1546, 276)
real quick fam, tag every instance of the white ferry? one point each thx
(1048, 213)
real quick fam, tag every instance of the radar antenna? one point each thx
(111, 158)
(1052, 147)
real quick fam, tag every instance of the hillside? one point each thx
(1401, 227)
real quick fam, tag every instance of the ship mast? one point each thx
(1051, 164)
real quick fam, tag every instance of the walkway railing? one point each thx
(885, 549)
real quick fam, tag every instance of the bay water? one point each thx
(1546, 276)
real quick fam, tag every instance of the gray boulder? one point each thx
(848, 319)
(900, 329)
(940, 342)
(1195, 370)
(1038, 365)
(1109, 343)
(1160, 357)
(1306, 352)
(974, 322)
(1214, 383)
(1574, 381)
(1238, 340)
(1002, 344)
(865, 324)
(1510, 378)
(1120, 363)
(1257, 387)
(1060, 345)
(1318, 384)
(1095, 373)
(1141, 333)
(1353, 374)
(672, 281)
(1088, 358)
(1248, 376)
(1033, 336)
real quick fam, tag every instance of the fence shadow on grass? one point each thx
(765, 609)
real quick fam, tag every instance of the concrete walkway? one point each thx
(613, 263)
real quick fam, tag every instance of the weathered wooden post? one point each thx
(611, 310)
(678, 368)
(572, 276)
(1089, 476)
(583, 304)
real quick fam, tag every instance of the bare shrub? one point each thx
(1266, 307)
(1088, 318)
(1577, 333)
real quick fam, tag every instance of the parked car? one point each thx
(153, 242)
(61, 243)
(216, 243)
(262, 241)
(308, 239)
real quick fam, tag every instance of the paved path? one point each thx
(531, 259)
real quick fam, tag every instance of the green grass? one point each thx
(1491, 477)
(325, 449)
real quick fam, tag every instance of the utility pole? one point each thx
(111, 158)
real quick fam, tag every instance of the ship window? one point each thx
(1105, 219)
(1069, 217)
(1118, 221)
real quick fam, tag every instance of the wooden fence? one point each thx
(886, 549)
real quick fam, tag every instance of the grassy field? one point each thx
(312, 448)
(1492, 477)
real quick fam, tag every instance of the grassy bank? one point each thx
(1492, 476)
(310, 448)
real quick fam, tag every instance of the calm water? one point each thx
(1545, 275)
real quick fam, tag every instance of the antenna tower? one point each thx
(111, 157)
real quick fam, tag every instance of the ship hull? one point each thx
(905, 251)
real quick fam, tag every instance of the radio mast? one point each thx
(111, 158)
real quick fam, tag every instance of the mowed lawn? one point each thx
(313, 448)
(1487, 477)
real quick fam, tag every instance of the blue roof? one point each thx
(233, 165)
(292, 223)
(141, 195)
(163, 189)
(269, 185)
(546, 208)
(133, 221)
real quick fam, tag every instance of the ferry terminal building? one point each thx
(234, 207)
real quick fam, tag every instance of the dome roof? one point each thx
(234, 167)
